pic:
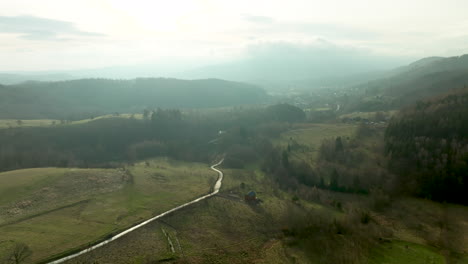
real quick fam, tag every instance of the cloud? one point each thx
(265, 26)
(258, 19)
(37, 28)
(310, 50)
(335, 31)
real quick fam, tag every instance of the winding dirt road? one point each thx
(216, 188)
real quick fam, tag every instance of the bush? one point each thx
(379, 199)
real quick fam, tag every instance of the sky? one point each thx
(81, 34)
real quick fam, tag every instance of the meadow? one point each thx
(305, 139)
(54, 210)
(11, 123)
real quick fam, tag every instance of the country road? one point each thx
(216, 188)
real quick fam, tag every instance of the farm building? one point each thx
(251, 196)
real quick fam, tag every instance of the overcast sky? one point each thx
(78, 34)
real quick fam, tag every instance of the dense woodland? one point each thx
(428, 148)
(110, 142)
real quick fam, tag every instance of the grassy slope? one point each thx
(222, 229)
(428, 228)
(400, 252)
(155, 188)
(18, 183)
(311, 136)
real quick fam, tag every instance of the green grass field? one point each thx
(367, 115)
(10, 123)
(401, 252)
(94, 204)
(7, 123)
(313, 134)
(18, 183)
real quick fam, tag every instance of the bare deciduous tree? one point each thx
(19, 253)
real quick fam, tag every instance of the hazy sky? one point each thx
(66, 34)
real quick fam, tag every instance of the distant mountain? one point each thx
(418, 80)
(417, 65)
(301, 71)
(306, 65)
(86, 97)
(14, 78)
(274, 65)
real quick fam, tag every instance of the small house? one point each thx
(251, 196)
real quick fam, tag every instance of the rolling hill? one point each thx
(405, 85)
(89, 97)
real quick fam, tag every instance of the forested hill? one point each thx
(428, 146)
(87, 97)
(406, 85)
(435, 64)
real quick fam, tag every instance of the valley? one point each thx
(236, 132)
